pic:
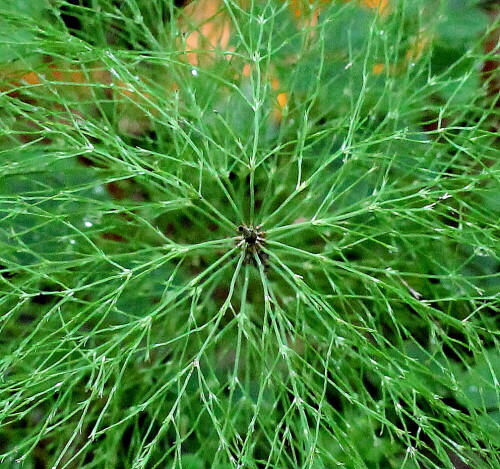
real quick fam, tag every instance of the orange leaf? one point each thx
(207, 27)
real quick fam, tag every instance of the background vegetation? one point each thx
(139, 331)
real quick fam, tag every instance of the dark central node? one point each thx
(250, 235)
(252, 240)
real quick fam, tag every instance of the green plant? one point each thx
(138, 330)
